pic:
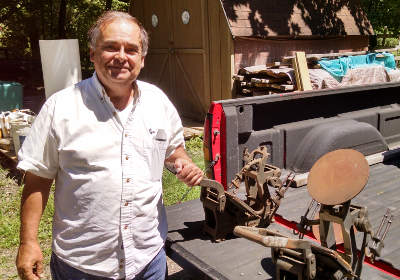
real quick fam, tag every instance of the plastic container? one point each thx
(11, 96)
(19, 130)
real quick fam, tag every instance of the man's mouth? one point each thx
(116, 68)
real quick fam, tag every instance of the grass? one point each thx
(10, 199)
(10, 194)
(173, 188)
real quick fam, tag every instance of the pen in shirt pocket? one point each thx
(161, 135)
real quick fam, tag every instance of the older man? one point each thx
(104, 141)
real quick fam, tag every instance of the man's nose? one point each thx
(121, 55)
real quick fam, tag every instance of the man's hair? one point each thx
(111, 16)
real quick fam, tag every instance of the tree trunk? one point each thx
(108, 5)
(61, 19)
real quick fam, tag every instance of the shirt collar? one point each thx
(101, 92)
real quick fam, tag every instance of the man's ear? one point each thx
(142, 63)
(91, 53)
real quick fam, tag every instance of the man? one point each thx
(104, 141)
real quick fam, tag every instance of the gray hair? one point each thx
(111, 16)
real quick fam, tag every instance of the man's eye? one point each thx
(132, 51)
(110, 48)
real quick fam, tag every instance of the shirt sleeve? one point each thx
(176, 129)
(39, 153)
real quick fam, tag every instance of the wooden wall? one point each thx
(252, 51)
(221, 53)
(192, 63)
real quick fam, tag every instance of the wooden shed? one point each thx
(197, 45)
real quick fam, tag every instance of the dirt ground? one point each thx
(175, 272)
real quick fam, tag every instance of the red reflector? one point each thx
(215, 143)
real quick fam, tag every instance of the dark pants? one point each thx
(155, 270)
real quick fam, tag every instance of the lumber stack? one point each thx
(264, 79)
(299, 72)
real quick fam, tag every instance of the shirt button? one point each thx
(114, 113)
(128, 180)
(122, 246)
(125, 226)
(121, 266)
(126, 203)
(121, 261)
(127, 157)
(126, 134)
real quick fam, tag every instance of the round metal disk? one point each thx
(338, 176)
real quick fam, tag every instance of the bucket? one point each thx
(19, 130)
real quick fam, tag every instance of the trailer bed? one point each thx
(238, 258)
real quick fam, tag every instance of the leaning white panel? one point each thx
(61, 64)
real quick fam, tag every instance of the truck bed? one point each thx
(238, 258)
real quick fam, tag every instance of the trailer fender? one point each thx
(330, 136)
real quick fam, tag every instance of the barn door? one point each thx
(178, 61)
(157, 65)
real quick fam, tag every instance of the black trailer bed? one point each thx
(237, 258)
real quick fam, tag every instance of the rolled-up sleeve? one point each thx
(176, 129)
(39, 153)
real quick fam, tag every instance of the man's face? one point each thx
(118, 56)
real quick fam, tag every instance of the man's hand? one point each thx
(33, 202)
(188, 172)
(30, 261)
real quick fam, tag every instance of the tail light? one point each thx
(214, 144)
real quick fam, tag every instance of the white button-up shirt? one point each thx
(109, 215)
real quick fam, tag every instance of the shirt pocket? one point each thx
(156, 154)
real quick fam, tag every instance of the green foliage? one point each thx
(10, 200)
(194, 144)
(383, 13)
(388, 43)
(24, 22)
(173, 189)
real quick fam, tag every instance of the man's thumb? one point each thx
(178, 165)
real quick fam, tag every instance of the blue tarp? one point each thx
(338, 67)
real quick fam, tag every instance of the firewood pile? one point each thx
(264, 79)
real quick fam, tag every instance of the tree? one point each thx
(108, 4)
(24, 22)
(383, 13)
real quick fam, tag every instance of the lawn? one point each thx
(10, 193)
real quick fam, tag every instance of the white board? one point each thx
(61, 64)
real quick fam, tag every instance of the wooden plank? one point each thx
(6, 144)
(302, 74)
(206, 59)
(297, 74)
(268, 81)
(389, 50)
(238, 78)
(284, 87)
(327, 55)
(319, 56)
(227, 61)
(277, 64)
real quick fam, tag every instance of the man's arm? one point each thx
(34, 199)
(186, 170)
